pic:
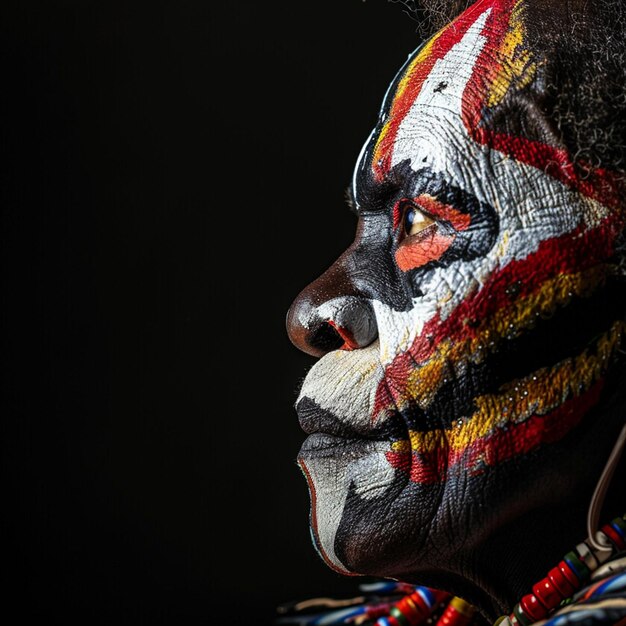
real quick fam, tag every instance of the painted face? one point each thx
(469, 327)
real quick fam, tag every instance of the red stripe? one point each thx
(502, 445)
(422, 248)
(435, 208)
(402, 104)
(597, 183)
(572, 252)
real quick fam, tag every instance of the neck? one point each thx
(515, 552)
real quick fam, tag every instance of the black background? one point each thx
(174, 175)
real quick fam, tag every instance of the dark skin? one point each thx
(485, 530)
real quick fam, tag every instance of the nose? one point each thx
(331, 314)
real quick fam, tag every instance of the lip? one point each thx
(324, 445)
(316, 420)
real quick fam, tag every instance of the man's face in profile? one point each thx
(467, 330)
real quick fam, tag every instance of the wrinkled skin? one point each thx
(468, 390)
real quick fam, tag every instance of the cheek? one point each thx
(431, 247)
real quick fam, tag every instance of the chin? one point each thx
(367, 516)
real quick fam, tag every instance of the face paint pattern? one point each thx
(517, 249)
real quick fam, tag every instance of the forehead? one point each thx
(453, 82)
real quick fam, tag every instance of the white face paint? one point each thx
(337, 383)
(345, 384)
(356, 397)
(433, 134)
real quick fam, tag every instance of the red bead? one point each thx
(403, 620)
(463, 607)
(452, 617)
(436, 597)
(457, 613)
(613, 536)
(379, 610)
(563, 585)
(547, 594)
(419, 603)
(387, 621)
(407, 607)
(519, 616)
(569, 574)
(577, 565)
(619, 526)
(532, 607)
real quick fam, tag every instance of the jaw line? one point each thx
(330, 559)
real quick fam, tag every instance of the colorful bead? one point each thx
(563, 585)
(569, 574)
(427, 595)
(402, 619)
(586, 556)
(457, 613)
(520, 616)
(408, 607)
(614, 537)
(413, 609)
(418, 604)
(567, 577)
(533, 607)
(548, 595)
(378, 610)
(578, 567)
(439, 596)
(463, 607)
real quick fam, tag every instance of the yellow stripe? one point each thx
(536, 394)
(405, 81)
(553, 294)
(518, 68)
(424, 381)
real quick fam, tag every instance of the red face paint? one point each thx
(422, 248)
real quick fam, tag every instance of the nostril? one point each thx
(318, 325)
(325, 338)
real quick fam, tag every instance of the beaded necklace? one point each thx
(573, 571)
(559, 588)
(591, 571)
